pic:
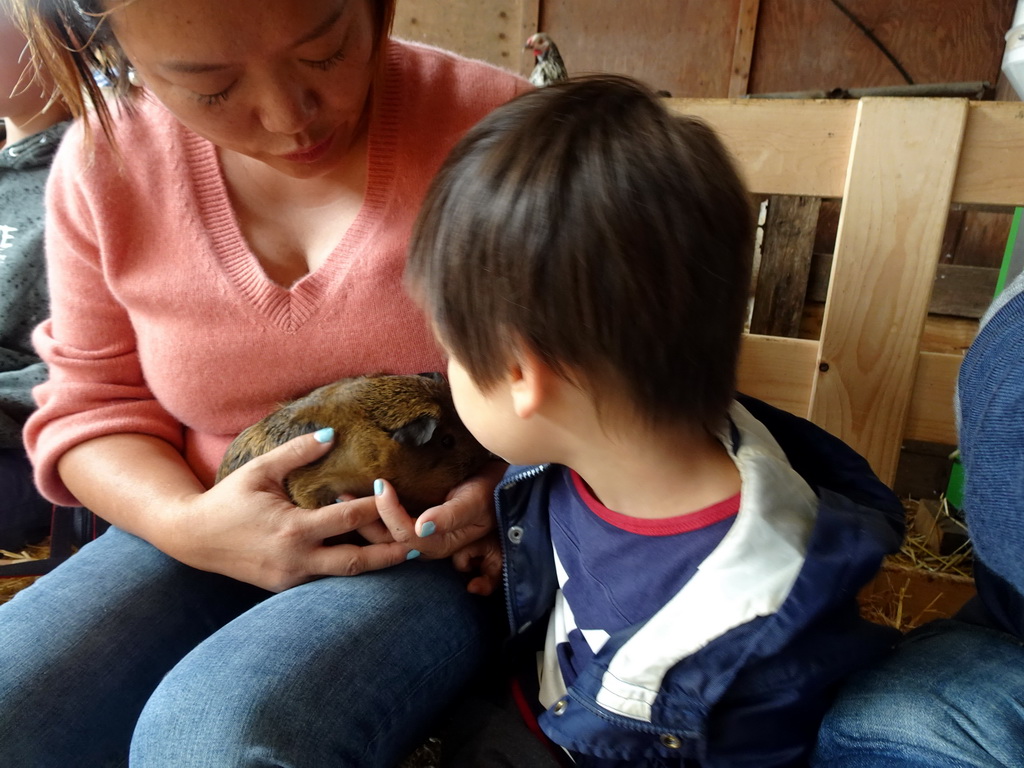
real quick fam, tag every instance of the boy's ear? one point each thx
(529, 382)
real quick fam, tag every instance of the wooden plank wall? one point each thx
(490, 30)
(732, 48)
(866, 379)
(683, 47)
(695, 48)
(889, 237)
(811, 44)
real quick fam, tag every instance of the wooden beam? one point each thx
(782, 371)
(887, 252)
(958, 291)
(785, 265)
(963, 291)
(743, 47)
(989, 171)
(782, 147)
(778, 371)
(800, 147)
(931, 414)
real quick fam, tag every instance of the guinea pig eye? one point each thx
(447, 442)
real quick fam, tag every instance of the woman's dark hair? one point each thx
(73, 41)
(612, 237)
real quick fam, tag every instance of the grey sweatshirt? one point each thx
(24, 300)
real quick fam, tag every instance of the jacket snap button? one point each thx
(515, 534)
(670, 741)
(559, 707)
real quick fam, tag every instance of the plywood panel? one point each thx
(805, 45)
(782, 147)
(931, 417)
(782, 371)
(952, 335)
(490, 30)
(779, 371)
(990, 170)
(898, 186)
(681, 46)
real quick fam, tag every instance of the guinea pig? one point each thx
(403, 429)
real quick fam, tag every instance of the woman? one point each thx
(234, 239)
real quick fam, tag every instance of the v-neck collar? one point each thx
(290, 308)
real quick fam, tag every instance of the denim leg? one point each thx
(341, 672)
(82, 649)
(951, 696)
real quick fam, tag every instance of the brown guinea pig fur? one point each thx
(403, 429)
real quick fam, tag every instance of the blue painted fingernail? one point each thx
(413, 554)
(324, 435)
(378, 489)
(427, 528)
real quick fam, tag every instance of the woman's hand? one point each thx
(244, 527)
(463, 527)
(247, 528)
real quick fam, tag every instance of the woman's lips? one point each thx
(311, 154)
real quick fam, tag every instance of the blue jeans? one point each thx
(951, 696)
(123, 647)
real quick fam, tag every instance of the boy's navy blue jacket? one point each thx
(738, 668)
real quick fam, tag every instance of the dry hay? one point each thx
(11, 585)
(916, 584)
(427, 756)
(914, 554)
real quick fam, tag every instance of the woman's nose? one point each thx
(287, 106)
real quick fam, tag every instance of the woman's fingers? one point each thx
(340, 518)
(275, 464)
(399, 523)
(469, 507)
(353, 559)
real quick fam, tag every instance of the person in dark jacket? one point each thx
(953, 693)
(685, 560)
(32, 127)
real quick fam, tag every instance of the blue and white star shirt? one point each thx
(615, 571)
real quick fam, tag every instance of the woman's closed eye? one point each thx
(213, 99)
(324, 64)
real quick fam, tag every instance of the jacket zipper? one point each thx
(505, 485)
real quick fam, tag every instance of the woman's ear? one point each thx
(530, 380)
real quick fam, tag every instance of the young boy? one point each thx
(694, 555)
(32, 128)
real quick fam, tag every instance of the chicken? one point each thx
(549, 67)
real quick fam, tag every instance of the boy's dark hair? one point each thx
(612, 237)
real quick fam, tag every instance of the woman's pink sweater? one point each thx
(163, 321)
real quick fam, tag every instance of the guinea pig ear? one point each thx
(432, 375)
(416, 432)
